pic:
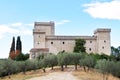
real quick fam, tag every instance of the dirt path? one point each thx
(56, 76)
(67, 75)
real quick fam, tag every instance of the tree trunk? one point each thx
(88, 69)
(9, 75)
(44, 70)
(52, 68)
(24, 71)
(84, 68)
(75, 66)
(65, 66)
(62, 68)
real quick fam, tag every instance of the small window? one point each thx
(38, 43)
(51, 42)
(39, 36)
(90, 41)
(89, 49)
(63, 42)
(104, 41)
(103, 47)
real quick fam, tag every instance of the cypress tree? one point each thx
(13, 45)
(12, 49)
(18, 46)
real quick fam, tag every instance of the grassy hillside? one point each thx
(80, 74)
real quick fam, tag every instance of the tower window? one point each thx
(90, 41)
(39, 36)
(51, 42)
(63, 42)
(38, 43)
(104, 41)
(89, 49)
(103, 47)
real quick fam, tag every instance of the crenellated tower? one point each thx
(103, 41)
(40, 31)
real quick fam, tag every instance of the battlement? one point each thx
(47, 27)
(70, 37)
(51, 23)
(102, 30)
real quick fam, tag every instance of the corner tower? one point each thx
(40, 31)
(103, 44)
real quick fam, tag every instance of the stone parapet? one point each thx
(70, 37)
(51, 23)
(102, 30)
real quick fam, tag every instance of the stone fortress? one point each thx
(45, 41)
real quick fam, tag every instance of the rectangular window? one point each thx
(51, 42)
(89, 49)
(38, 43)
(103, 47)
(104, 41)
(90, 41)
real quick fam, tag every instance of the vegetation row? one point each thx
(102, 63)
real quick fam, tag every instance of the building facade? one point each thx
(45, 41)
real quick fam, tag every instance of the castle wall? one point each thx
(55, 46)
(91, 46)
(45, 41)
(67, 43)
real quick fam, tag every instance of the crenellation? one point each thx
(51, 23)
(102, 30)
(69, 37)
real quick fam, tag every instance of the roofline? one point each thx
(102, 30)
(70, 37)
(50, 23)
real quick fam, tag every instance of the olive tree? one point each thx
(88, 61)
(7, 67)
(105, 67)
(75, 57)
(61, 60)
(51, 60)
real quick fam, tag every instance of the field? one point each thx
(68, 74)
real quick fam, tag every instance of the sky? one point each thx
(71, 17)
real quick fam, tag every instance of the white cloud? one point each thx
(61, 22)
(16, 24)
(31, 24)
(15, 28)
(104, 10)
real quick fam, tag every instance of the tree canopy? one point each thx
(79, 45)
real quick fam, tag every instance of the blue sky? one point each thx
(71, 17)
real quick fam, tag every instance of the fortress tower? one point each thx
(103, 41)
(45, 41)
